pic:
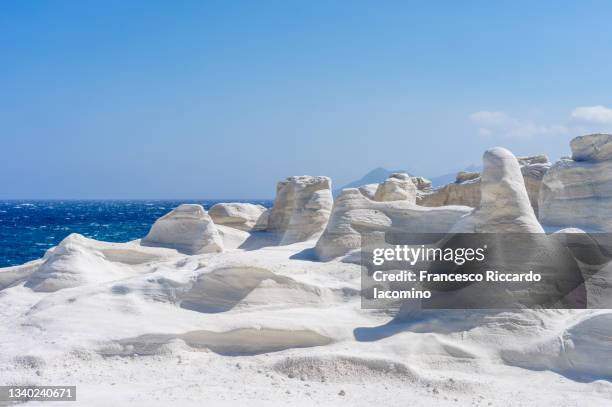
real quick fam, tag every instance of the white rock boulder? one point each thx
(504, 204)
(301, 208)
(354, 215)
(187, 229)
(78, 261)
(463, 176)
(464, 191)
(422, 184)
(238, 215)
(398, 187)
(577, 350)
(369, 190)
(592, 147)
(533, 169)
(578, 193)
(466, 188)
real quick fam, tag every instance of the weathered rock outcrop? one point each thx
(466, 188)
(369, 191)
(464, 191)
(188, 229)
(577, 349)
(78, 260)
(533, 169)
(592, 147)
(398, 187)
(504, 204)
(578, 192)
(301, 208)
(463, 176)
(422, 184)
(243, 216)
(263, 220)
(355, 214)
(517, 242)
(533, 159)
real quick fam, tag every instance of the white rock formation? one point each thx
(355, 214)
(592, 147)
(369, 191)
(578, 192)
(188, 229)
(533, 169)
(504, 204)
(78, 261)
(463, 176)
(398, 187)
(533, 159)
(301, 208)
(422, 184)
(10, 276)
(232, 238)
(262, 221)
(243, 216)
(578, 349)
(464, 191)
(466, 188)
(592, 252)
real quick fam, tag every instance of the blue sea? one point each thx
(29, 228)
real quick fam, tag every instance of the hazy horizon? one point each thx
(153, 100)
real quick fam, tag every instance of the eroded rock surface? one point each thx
(464, 191)
(239, 215)
(355, 214)
(592, 147)
(466, 188)
(301, 208)
(579, 192)
(504, 204)
(188, 229)
(398, 187)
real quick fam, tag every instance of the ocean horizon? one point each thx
(29, 227)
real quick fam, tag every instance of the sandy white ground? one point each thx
(268, 326)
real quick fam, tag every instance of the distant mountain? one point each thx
(376, 176)
(380, 174)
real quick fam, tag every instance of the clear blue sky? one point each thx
(196, 99)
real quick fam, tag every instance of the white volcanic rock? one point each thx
(463, 176)
(398, 187)
(466, 188)
(243, 216)
(78, 261)
(579, 349)
(591, 251)
(232, 238)
(504, 204)
(188, 229)
(10, 276)
(592, 147)
(579, 193)
(422, 184)
(355, 214)
(464, 191)
(262, 221)
(369, 191)
(533, 159)
(301, 208)
(533, 169)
